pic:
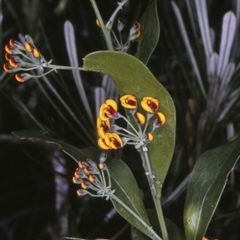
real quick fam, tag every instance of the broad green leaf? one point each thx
(150, 31)
(123, 182)
(174, 233)
(206, 185)
(133, 77)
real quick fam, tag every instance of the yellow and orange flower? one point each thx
(110, 141)
(150, 104)
(114, 140)
(108, 110)
(129, 101)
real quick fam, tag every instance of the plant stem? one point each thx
(158, 206)
(65, 67)
(156, 194)
(106, 32)
(112, 18)
(149, 228)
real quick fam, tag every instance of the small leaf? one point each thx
(133, 77)
(150, 31)
(206, 185)
(126, 188)
(72, 54)
(228, 33)
(186, 41)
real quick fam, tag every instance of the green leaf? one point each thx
(127, 190)
(123, 182)
(174, 233)
(133, 77)
(206, 185)
(150, 31)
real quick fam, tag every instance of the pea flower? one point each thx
(150, 104)
(108, 110)
(129, 101)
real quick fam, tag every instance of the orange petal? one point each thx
(98, 23)
(13, 63)
(7, 68)
(92, 178)
(22, 77)
(8, 49)
(84, 185)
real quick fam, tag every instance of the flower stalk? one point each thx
(106, 32)
(156, 194)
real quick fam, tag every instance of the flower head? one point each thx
(24, 57)
(112, 136)
(91, 179)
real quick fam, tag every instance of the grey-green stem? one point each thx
(156, 195)
(106, 32)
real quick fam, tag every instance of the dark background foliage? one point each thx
(37, 198)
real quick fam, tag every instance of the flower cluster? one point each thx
(92, 179)
(134, 34)
(112, 136)
(24, 57)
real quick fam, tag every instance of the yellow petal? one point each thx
(102, 144)
(28, 47)
(149, 137)
(102, 132)
(112, 103)
(140, 118)
(102, 112)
